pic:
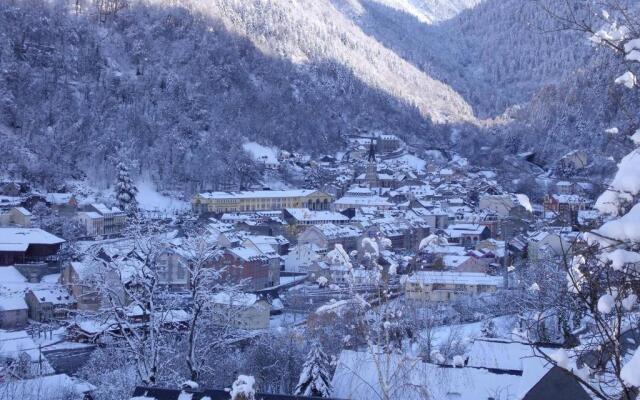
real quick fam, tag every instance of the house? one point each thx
(301, 257)
(299, 218)
(467, 235)
(565, 206)
(114, 219)
(401, 233)
(573, 161)
(439, 286)
(78, 278)
(539, 244)
(156, 393)
(279, 244)
(240, 310)
(173, 269)
(503, 204)
(64, 203)
(356, 198)
(260, 200)
(13, 312)
(93, 223)
(363, 375)
(16, 216)
(328, 235)
(49, 304)
(24, 245)
(246, 265)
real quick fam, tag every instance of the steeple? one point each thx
(372, 167)
(372, 152)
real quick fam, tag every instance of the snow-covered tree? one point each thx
(243, 388)
(602, 271)
(126, 191)
(315, 378)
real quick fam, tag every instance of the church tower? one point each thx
(372, 167)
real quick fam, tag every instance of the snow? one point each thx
(630, 372)
(46, 387)
(606, 303)
(620, 258)
(633, 55)
(524, 201)
(627, 79)
(19, 237)
(631, 45)
(627, 179)
(561, 358)
(150, 200)
(413, 161)
(636, 137)
(612, 131)
(243, 387)
(629, 302)
(268, 155)
(624, 228)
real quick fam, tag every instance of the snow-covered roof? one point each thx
(12, 303)
(56, 296)
(460, 278)
(361, 376)
(18, 239)
(258, 194)
(235, 299)
(247, 254)
(369, 201)
(306, 215)
(23, 211)
(59, 198)
(332, 231)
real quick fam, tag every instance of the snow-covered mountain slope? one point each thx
(305, 31)
(175, 86)
(426, 11)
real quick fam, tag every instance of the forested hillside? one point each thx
(171, 87)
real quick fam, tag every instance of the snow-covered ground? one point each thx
(268, 155)
(150, 200)
(412, 161)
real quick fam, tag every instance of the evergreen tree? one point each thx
(314, 379)
(126, 191)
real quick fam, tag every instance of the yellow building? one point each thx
(260, 200)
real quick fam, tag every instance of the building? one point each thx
(173, 269)
(240, 310)
(446, 286)
(114, 220)
(357, 198)
(64, 203)
(326, 236)
(467, 234)
(503, 204)
(565, 206)
(13, 312)
(401, 233)
(16, 216)
(77, 277)
(156, 393)
(26, 245)
(246, 265)
(49, 304)
(505, 371)
(261, 200)
(93, 223)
